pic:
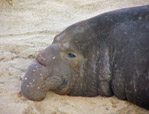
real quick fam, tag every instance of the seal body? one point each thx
(105, 55)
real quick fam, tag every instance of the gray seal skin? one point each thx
(105, 55)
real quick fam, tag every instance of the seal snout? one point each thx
(33, 94)
(33, 86)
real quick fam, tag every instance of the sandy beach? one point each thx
(27, 27)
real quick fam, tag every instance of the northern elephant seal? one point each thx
(105, 55)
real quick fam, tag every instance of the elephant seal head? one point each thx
(68, 66)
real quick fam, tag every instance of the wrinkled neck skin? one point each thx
(86, 80)
(97, 75)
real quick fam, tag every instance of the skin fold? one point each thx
(105, 55)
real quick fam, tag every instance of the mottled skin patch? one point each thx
(105, 55)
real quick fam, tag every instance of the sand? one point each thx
(27, 27)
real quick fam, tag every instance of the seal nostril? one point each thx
(40, 62)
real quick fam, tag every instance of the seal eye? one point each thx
(70, 55)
